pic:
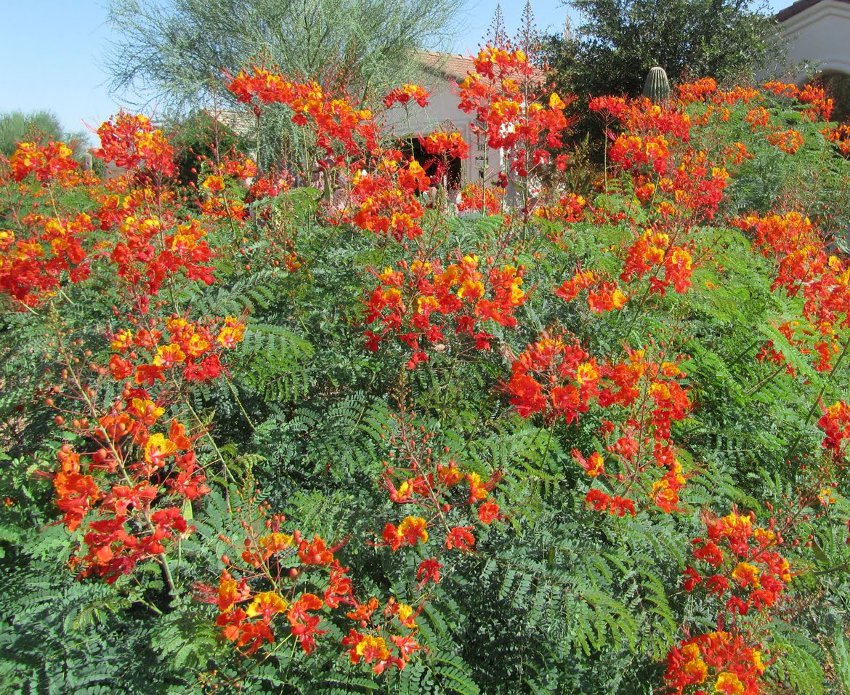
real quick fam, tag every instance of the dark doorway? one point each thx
(439, 170)
(837, 85)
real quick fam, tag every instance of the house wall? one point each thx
(443, 111)
(819, 36)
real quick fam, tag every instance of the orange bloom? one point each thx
(413, 529)
(267, 604)
(460, 537)
(593, 466)
(168, 355)
(157, 449)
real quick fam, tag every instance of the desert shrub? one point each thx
(293, 440)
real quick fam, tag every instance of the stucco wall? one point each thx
(819, 36)
(443, 110)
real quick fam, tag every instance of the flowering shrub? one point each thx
(418, 301)
(735, 666)
(264, 437)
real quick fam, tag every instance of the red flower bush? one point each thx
(718, 661)
(420, 301)
(739, 565)
(185, 364)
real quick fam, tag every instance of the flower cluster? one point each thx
(818, 104)
(53, 162)
(640, 452)
(445, 144)
(125, 486)
(804, 268)
(442, 493)
(405, 94)
(130, 141)
(143, 249)
(695, 188)
(277, 582)
(633, 151)
(643, 116)
(147, 253)
(384, 201)
(149, 355)
(34, 264)
(421, 300)
(719, 662)
(758, 117)
(568, 208)
(786, 140)
(700, 90)
(735, 564)
(840, 136)
(377, 188)
(431, 491)
(269, 580)
(272, 586)
(835, 423)
(339, 127)
(603, 295)
(510, 111)
(478, 198)
(222, 201)
(653, 252)
(675, 181)
(555, 376)
(372, 647)
(612, 108)
(130, 483)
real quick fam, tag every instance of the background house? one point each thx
(816, 34)
(441, 74)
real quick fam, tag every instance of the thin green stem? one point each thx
(239, 403)
(816, 402)
(208, 435)
(757, 387)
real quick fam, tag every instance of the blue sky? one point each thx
(53, 52)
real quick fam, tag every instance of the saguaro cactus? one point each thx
(657, 86)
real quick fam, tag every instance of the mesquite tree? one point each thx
(175, 51)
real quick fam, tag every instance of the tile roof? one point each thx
(240, 121)
(446, 64)
(453, 65)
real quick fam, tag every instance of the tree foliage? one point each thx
(618, 42)
(176, 51)
(38, 126)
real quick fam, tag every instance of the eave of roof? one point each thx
(797, 8)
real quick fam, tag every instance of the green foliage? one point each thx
(197, 138)
(555, 597)
(38, 126)
(177, 50)
(618, 42)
